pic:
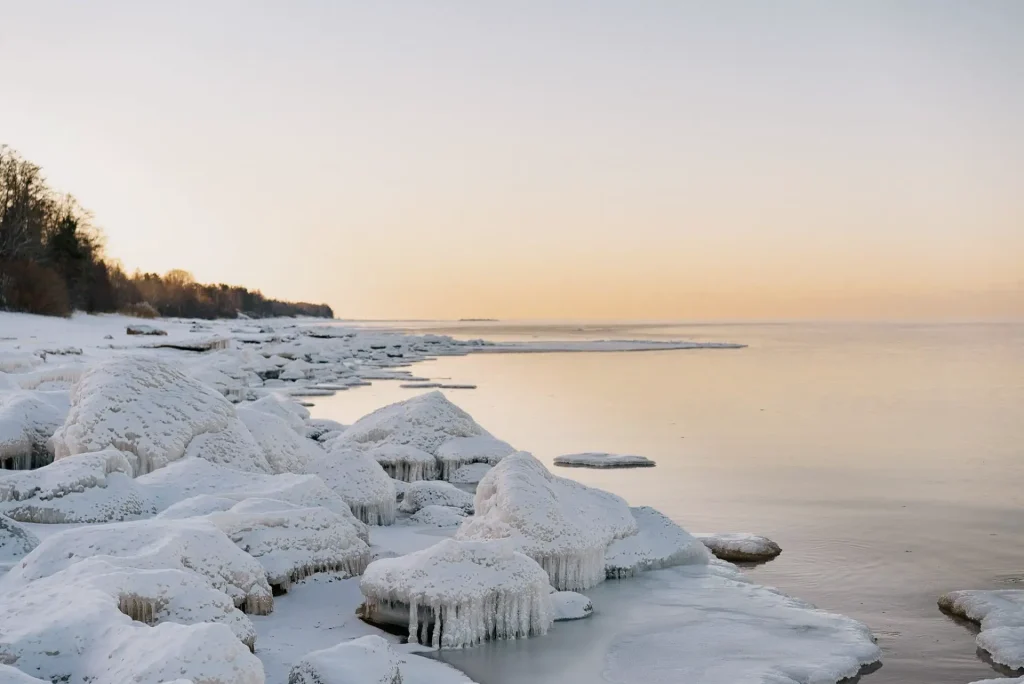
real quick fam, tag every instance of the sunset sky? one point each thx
(583, 160)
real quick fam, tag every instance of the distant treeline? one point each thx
(52, 262)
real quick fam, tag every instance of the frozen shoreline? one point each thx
(261, 465)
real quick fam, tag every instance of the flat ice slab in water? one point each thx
(740, 547)
(592, 459)
(563, 525)
(1000, 613)
(470, 591)
(660, 543)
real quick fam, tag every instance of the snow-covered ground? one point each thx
(161, 489)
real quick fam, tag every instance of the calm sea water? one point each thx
(887, 460)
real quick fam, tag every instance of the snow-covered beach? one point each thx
(219, 518)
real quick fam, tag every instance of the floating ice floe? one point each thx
(592, 459)
(360, 481)
(27, 420)
(438, 516)
(143, 406)
(435, 493)
(660, 543)
(404, 462)
(459, 452)
(16, 541)
(425, 422)
(1000, 614)
(563, 525)
(193, 545)
(84, 488)
(568, 605)
(740, 547)
(459, 593)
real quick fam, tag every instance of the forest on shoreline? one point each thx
(52, 262)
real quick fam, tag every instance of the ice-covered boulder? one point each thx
(563, 525)
(321, 428)
(285, 449)
(460, 593)
(660, 543)
(143, 406)
(8, 675)
(438, 516)
(594, 459)
(471, 473)
(27, 421)
(16, 541)
(292, 542)
(425, 422)
(1000, 614)
(366, 660)
(568, 605)
(404, 462)
(192, 544)
(360, 482)
(84, 488)
(459, 452)
(233, 447)
(435, 493)
(740, 547)
(287, 410)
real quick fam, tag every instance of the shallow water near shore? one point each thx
(887, 460)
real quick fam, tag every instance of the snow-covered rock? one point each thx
(233, 447)
(435, 493)
(84, 488)
(459, 452)
(568, 605)
(425, 422)
(1000, 614)
(194, 545)
(144, 329)
(284, 447)
(366, 660)
(16, 541)
(471, 473)
(27, 421)
(660, 543)
(460, 593)
(438, 516)
(320, 428)
(360, 482)
(404, 462)
(143, 406)
(287, 410)
(740, 547)
(594, 459)
(292, 542)
(563, 525)
(8, 675)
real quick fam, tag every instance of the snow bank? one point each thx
(404, 462)
(568, 605)
(660, 543)
(27, 421)
(593, 459)
(740, 547)
(84, 488)
(425, 422)
(1000, 614)
(366, 660)
(15, 541)
(291, 542)
(360, 482)
(462, 451)
(140, 405)
(461, 593)
(438, 516)
(435, 493)
(284, 448)
(563, 525)
(193, 545)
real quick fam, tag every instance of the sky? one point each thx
(642, 160)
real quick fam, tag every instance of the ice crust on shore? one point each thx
(461, 593)
(563, 525)
(435, 493)
(1000, 614)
